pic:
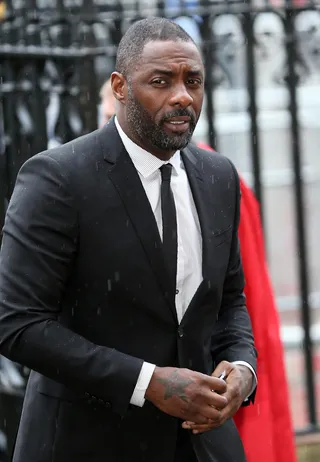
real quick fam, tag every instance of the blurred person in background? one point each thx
(2, 9)
(266, 428)
(107, 106)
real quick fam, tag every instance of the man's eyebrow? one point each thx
(195, 72)
(163, 72)
(191, 72)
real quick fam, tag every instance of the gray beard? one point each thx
(142, 127)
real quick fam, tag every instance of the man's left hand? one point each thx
(239, 380)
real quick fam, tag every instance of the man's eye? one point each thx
(159, 81)
(194, 82)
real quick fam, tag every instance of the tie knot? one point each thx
(166, 170)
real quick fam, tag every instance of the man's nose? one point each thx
(181, 97)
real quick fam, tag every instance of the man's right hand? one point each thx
(187, 394)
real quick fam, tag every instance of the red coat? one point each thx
(266, 427)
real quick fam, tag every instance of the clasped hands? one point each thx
(238, 384)
(202, 402)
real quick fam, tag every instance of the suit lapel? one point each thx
(203, 192)
(126, 180)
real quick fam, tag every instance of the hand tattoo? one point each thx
(175, 385)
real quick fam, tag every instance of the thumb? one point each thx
(222, 368)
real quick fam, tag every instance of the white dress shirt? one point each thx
(189, 264)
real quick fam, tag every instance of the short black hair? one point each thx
(142, 32)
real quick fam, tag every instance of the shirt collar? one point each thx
(145, 162)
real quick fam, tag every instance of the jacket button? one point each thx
(87, 394)
(100, 401)
(180, 332)
(94, 399)
(107, 404)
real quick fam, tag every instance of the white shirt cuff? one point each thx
(255, 380)
(137, 398)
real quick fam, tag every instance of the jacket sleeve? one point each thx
(39, 246)
(232, 339)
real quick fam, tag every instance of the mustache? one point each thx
(179, 113)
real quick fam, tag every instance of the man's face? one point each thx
(165, 95)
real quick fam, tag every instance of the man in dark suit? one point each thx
(121, 284)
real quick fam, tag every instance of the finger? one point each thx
(224, 366)
(194, 426)
(217, 418)
(229, 411)
(188, 425)
(232, 393)
(211, 414)
(197, 427)
(216, 400)
(218, 385)
(203, 429)
(198, 419)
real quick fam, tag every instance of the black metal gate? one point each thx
(54, 55)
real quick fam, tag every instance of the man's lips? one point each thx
(180, 120)
(177, 125)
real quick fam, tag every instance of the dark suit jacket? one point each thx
(85, 298)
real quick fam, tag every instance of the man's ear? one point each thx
(119, 86)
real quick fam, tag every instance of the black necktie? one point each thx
(169, 223)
